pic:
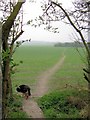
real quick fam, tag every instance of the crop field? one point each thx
(71, 72)
(66, 81)
(37, 59)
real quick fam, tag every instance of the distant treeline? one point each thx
(69, 44)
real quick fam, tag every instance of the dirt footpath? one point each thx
(30, 106)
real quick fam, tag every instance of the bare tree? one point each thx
(78, 19)
(11, 30)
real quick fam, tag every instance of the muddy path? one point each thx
(30, 106)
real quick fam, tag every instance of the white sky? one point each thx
(32, 10)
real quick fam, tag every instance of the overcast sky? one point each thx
(32, 10)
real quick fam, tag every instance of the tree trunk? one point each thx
(5, 87)
(6, 84)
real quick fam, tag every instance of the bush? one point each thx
(50, 113)
(64, 104)
(15, 108)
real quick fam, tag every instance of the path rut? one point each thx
(30, 106)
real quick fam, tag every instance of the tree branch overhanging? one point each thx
(78, 31)
(19, 34)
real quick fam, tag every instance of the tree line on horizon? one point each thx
(69, 44)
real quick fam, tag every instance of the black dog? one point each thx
(25, 90)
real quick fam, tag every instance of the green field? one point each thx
(36, 60)
(71, 72)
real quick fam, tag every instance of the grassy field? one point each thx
(71, 72)
(37, 59)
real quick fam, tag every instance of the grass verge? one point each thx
(15, 108)
(64, 104)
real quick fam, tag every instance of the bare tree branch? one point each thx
(66, 14)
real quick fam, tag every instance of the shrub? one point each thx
(15, 108)
(64, 104)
